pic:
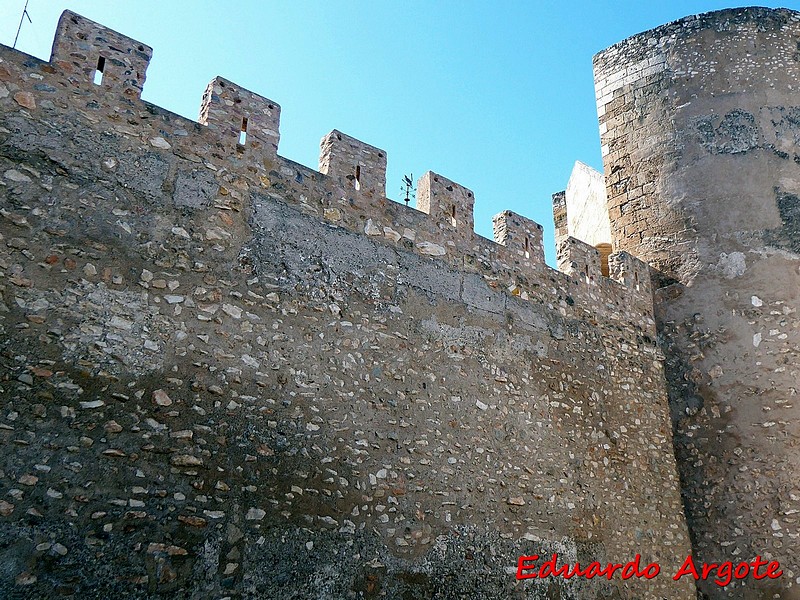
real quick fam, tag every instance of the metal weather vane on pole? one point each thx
(408, 187)
(21, 20)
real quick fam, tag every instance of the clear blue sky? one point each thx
(495, 95)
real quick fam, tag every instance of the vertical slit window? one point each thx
(99, 72)
(527, 247)
(453, 216)
(243, 132)
(358, 177)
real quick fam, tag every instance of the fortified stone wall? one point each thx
(700, 126)
(224, 374)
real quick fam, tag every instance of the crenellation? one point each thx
(521, 236)
(579, 260)
(247, 121)
(631, 272)
(93, 54)
(436, 232)
(359, 167)
(449, 205)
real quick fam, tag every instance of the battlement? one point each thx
(89, 53)
(357, 166)
(520, 236)
(580, 259)
(449, 204)
(241, 131)
(631, 271)
(243, 118)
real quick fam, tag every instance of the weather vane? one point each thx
(408, 187)
(21, 20)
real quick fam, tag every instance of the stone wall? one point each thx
(224, 374)
(699, 126)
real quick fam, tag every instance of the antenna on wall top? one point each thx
(21, 19)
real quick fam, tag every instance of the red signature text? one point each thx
(722, 573)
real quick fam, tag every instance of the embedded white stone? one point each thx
(431, 249)
(160, 142)
(371, 229)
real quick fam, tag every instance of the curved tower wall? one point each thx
(700, 131)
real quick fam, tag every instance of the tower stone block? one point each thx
(560, 217)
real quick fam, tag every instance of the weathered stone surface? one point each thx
(186, 460)
(699, 127)
(161, 398)
(195, 188)
(431, 249)
(214, 359)
(25, 99)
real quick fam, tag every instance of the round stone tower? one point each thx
(700, 132)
